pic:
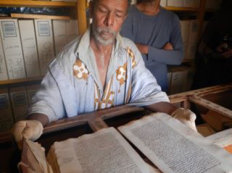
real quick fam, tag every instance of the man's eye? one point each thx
(102, 10)
(119, 15)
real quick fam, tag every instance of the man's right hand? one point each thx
(29, 129)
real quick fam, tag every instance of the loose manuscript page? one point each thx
(101, 152)
(174, 147)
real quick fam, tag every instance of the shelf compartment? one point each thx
(30, 3)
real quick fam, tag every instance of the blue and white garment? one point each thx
(72, 85)
(156, 31)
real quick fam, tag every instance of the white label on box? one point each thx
(43, 28)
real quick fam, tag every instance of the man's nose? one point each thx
(109, 21)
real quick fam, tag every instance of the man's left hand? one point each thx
(186, 116)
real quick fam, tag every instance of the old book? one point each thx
(12, 48)
(27, 33)
(173, 147)
(101, 152)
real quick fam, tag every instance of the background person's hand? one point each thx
(29, 129)
(185, 116)
(168, 46)
(142, 48)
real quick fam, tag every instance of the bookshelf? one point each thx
(8, 94)
(79, 7)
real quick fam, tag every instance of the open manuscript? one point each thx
(167, 143)
(105, 151)
(173, 147)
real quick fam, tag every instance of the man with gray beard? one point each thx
(98, 70)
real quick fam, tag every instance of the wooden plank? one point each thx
(31, 3)
(190, 9)
(212, 106)
(81, 15)
(16, 81)
(39, 16)
(90, 117)
(97, 124)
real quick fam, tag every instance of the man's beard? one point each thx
(97, 35)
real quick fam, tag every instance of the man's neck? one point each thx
(100, 48)
(102, 57)
(149, 8)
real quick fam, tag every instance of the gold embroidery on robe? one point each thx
(121, 74)
(79, 70)
(132, 56)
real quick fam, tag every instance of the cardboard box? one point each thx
(178, 81)
(44, 38)
(27, 33)
(175, 3)
(31, 90)
(185, 31)
(6, 125)
(192, 41)
(71, 29)
(60, 34)
(5, 107)
(19, 102)
(12, 48)
(163, 3)
(3, 69)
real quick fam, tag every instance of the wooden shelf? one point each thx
(38, 16)
(30, 3)
(182, 9)
(17, 81)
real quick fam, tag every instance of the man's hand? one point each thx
(186, 116)
(168, 46)
(142, 48)
(29, 129)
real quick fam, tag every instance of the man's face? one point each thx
(108, 16)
